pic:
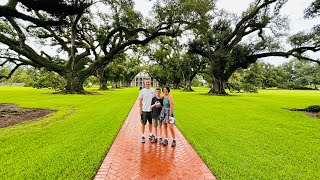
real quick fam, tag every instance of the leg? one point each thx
(165, 141)
(160, 127)
(143, 124)
(165, 130)
(154, 124)
(149, 118)
(172, 131)
(160, 131)
(174, 143)
(150, 128)
(142, 129)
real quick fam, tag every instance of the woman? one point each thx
(167, 116)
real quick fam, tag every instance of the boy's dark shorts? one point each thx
(146, 116)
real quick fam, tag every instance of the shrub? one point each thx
(249, 88)
(313, 108)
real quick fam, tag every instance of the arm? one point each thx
(152, 104)
(171, 105)
(140, 101)
(140, 105)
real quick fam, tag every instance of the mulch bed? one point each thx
(312, 114)
(10, 114)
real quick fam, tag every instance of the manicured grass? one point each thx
(69, 144)
(245, 136)
(250, 136)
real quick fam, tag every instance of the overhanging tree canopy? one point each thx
(229, 46)
(73, 39)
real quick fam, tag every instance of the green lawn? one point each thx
(250, 136)
(244, 136)
(69, 144)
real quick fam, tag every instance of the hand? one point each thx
(171, 120)
(157, 104)
(140, 112)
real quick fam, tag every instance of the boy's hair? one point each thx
(158, 89)
(166, 88)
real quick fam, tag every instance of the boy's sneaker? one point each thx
(160, 141)
(143, 139)
(165, 142)
(154, 140)
(174, 143)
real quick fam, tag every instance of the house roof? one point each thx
(143, 74)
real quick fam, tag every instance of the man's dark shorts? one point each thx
(146, 116)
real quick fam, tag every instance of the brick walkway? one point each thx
(128, 158)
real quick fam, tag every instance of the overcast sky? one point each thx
(293, 9)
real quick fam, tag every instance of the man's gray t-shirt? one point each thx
(146, 95)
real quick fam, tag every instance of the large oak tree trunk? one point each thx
(218, 86)
(74, 85)
(189, 82)
(102, 83)
(188, 86)
(175, 85)
(127, 84)
(115, 84)
(102, 79)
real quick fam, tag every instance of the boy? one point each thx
(156, 106)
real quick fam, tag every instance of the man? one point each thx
(145, 96)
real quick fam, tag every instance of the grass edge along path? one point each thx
(69, 144)
(250, 136)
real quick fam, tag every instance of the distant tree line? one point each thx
(120, 74)
(88, 45)
(295, 74)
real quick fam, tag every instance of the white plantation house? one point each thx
(139, 80)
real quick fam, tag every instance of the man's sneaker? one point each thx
(154, 140)
(165, 142)
(151, 137)
(143, 139)
(174, 143)
(160, 141)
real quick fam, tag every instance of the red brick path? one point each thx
(128, 158)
